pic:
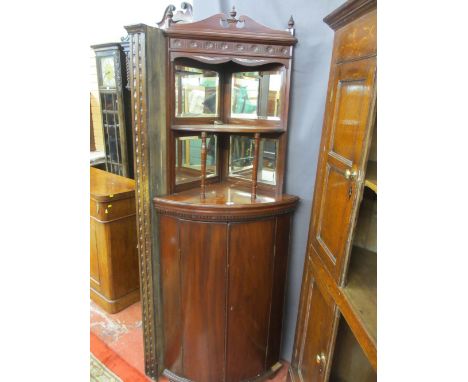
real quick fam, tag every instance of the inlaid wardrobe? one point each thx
(336, 333)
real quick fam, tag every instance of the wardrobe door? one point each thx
(317, 322)
(343, 153)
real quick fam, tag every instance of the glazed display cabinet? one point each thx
(111, 65)
(217, 263)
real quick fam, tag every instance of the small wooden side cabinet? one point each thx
(336, 333)
(114, 279)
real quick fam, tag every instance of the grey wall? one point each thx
(311, 67)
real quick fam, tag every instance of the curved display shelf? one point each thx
(224, 202)
(228, 128)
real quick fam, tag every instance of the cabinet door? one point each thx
(343, 152)
(315, 334)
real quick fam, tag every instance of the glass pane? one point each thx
(188, 158)
(106, 102)
(107, 72)
(256, 95)
(196, 92)
(113, 143)
(241, 157)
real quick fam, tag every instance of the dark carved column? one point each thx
(149, 140)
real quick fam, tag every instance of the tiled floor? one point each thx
(123, 333)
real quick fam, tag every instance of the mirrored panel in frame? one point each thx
(196, 92)
(257, 94)
(188, 158)
(241, 158)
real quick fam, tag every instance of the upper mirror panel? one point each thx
(196, 92)
(256, 95)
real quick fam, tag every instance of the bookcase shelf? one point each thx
(361, 289)
(371, 176)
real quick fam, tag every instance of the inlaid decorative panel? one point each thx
(239, 48)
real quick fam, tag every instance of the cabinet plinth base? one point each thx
(115, 306)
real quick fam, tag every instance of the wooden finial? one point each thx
(233, 12)
(291, 23)
(170, 15)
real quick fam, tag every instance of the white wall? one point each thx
(106, 24)
(107, 19)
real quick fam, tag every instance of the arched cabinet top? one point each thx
(231, 28)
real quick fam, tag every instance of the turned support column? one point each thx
(255, 166)
(203, 166)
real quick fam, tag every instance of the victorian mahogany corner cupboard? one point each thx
(210, 103)
(336, 333)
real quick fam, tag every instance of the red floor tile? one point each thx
(122, 333)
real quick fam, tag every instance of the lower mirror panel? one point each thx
(188, 158)
(241, 157)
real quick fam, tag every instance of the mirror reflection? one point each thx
(256, 95)
(188, 158)
(241, 158)
(196, 92)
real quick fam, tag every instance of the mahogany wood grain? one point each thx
(211, 28)
(203, 298)
(224, 202)
(223, 293)
(171, 298)
(250, 284)
(282, 235)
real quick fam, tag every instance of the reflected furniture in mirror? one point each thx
(111, 65)
(336, 332)
(114, 258)
(222, 219)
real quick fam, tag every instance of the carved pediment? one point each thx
(231, 28)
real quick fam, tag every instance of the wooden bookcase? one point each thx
(336, 333)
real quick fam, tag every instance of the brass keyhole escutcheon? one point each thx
(350, 174)
(320, 360)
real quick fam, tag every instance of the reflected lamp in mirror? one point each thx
(241, 158)
(256, 95)
(196, 92)
(188, 158)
